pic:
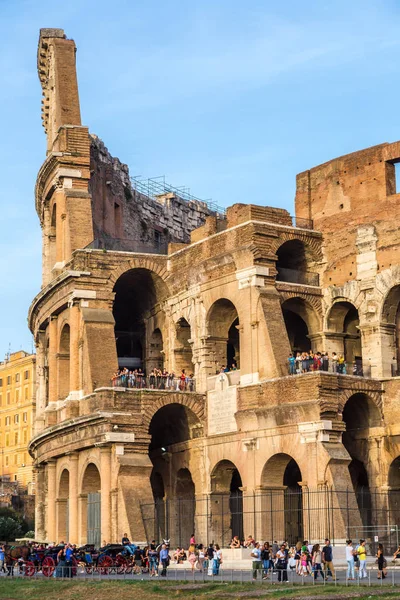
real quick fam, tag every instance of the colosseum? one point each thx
(168, 402)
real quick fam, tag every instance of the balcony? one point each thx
(297, 276)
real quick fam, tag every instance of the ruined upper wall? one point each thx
(352, 200)
(57, 74)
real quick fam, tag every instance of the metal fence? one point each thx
(278, 514)
(162, 382)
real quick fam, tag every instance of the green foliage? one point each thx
(9, 529)
(10, 513)
(30, 534)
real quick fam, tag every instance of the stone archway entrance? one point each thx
(282, 499)
(344, 335)
(91, 506)
(226, 503)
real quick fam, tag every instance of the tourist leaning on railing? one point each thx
(156, 380)
(306, 362)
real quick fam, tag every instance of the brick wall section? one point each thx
(346, 193)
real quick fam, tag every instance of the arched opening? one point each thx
(391, 318)
(183, 348)
(295, 264)
(185, 507)
(281, 479)
(344, 320)
(223, 329)
(226, 502)
(300, 322)
(360, 414)
(138, 294)
(91, 505)
(63, 507)
(394, 491)
(171, 425)
(64, 363)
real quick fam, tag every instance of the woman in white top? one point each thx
(350, 560)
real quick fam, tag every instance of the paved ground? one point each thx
(234, 575)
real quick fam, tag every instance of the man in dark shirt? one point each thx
(327, 559)
(127, 544)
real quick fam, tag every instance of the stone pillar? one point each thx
(379, 348)
(41, 399)
(105, 474)
(73, 498)
(74, 379)
(53, 349)
(82, 519)
(272, 505)
(51, 501)
(40, 521)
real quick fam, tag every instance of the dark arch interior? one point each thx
(291, 255)
(360, 412)
(297, 331)
(344, 318)
(292, 475)
(170, 425)
(137, 293)
(232, 350)
(223, 323)
(157, 485)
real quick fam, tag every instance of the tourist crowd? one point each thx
(305, 362)
(157, 379)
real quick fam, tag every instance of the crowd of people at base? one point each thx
(157, 379)
(307, 559)
(305, 362)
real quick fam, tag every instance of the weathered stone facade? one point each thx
(248, 289)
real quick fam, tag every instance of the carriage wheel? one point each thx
(105, 564)
(121, 564)
(74, 569)
(48, 566)
(29, 568)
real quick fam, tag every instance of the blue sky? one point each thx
(231, 99)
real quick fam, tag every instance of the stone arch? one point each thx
(301, 321)
(137, 315)
(223, 329)
(171, 422)
(90, 507)
(394, 490)
(151, 407)
(63, 362)
(312, 244)
(159, 268)
(62, 506)
(342, 323)
(360, 388)
(226, 501)
(281, 480)
(390, 317)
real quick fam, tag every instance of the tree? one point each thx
(9, 529)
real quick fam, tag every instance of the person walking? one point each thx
(362, 555)
(350, 559)
(317, 562)
(192, 556)
(382, 564)
(210, 559)
(256, 556)
(164, 559)
(201, 557)
(153, 562)
(281, 563)
(327, 559)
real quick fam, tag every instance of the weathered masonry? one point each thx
(135, 279)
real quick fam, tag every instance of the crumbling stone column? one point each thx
(51, 501)
(73, 497)
(105, 468)
(53, 343)
(75, 384)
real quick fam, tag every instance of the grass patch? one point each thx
(21, 589)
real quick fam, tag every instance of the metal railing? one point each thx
(278, 514)
(168, 383)
(356, 368)
(123, 245)
(297, 276)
